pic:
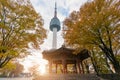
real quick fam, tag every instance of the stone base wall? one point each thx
(79, 77)
(70, 77)
(110, 76)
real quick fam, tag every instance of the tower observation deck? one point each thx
(55, 27)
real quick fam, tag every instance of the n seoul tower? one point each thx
(55, 27)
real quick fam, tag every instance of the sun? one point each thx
(42, 67)
(35, 59)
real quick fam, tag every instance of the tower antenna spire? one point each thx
(55, 14)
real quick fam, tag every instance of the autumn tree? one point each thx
(17, 70)
(100, 62)
(96, 25)
(19, 25)
(12, 69)
(5, 71)
(34, 70)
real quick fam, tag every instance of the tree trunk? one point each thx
(116, 66)
(114, 62)
(111, 71)
(94, 65)
(109, 54)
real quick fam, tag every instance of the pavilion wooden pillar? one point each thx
(79, 68)
(50, 66)
(56, 65)
(75, 68)
(81, 63)
(87, 67)
(64, 66)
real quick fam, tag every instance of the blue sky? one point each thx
(46, 10)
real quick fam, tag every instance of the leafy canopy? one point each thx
(93, 22)
(19, 25)
(96, 25)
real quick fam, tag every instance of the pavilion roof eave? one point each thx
(65, 53)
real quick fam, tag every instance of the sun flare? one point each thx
(35, 60)
(42, 67)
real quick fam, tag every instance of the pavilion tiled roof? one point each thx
(65, 53)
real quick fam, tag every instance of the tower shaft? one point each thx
(54, 44)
